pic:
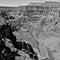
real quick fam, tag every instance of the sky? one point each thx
(20, 2)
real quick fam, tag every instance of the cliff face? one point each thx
(25, 19)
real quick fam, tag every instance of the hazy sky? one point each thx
(19, 2)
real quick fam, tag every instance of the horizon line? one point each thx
(29, 3)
